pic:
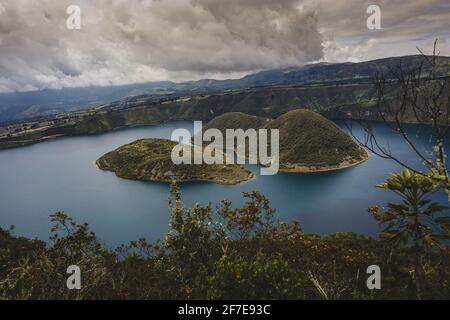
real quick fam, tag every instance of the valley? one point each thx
(331, 101)
(336, 91)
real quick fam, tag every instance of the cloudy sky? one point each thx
(128, 41)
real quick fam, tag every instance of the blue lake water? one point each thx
(38, 180)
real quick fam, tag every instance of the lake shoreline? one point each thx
(150, 160)
(61, 175)
(311, 169)
(250, 177)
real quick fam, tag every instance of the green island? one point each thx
(149, 160)
(240, 249)
(308, 141)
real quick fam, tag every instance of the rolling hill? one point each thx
(308, 141)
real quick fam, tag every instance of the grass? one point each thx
(150, 160)
(306, 139)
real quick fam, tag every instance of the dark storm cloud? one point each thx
(143, 40)
(205, 36)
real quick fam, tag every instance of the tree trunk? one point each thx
(418, 273)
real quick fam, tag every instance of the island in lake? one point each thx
(150, 160)
(308, 143)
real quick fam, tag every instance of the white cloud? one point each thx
(144, 40)
(135, 41)
(406, 24)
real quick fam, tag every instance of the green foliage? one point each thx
(267, 102)
(13, 249)
(42, 273)
(306, 138)
(256, 215)
(260, 277)
(150, 160)
(195, 242)
(214, 253)
(236, 120)
(415, 222)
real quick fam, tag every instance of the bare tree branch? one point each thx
(419, 94)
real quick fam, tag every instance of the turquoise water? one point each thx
(37, 180)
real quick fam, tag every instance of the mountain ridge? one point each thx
(26, 105)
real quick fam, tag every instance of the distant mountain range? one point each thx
(23, 105)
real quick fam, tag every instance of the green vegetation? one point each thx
(150, 159)
(334, 90)
(223, 253)
(236, 120)
(417, 223)
(268, 102)
(308, 141)
(21, 105)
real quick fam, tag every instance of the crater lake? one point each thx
(61, 175)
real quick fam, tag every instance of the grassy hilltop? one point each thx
(308, 141)
(150, 160)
